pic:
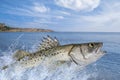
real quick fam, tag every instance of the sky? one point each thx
(62, 15)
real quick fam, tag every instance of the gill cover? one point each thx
(76, 55)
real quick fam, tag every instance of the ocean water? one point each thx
(106, 68)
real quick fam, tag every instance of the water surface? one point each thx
(107, 68)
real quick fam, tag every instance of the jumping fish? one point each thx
(50, 48)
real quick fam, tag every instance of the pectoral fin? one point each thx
(57, 64)
(20, 54)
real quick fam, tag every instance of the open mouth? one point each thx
(98, 50)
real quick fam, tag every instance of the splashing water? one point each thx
(12, 47)
(41, 73)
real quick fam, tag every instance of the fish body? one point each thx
(80, 54)
(54, 54)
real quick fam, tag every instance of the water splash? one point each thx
(41, 73)
(13, 46)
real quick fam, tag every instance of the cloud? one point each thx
(65, 13)
(78, 5)
(59, 17)
(33, 10)
(106, 18)
(39, 8)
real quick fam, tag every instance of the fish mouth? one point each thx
(99, 48)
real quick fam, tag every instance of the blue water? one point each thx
(106, 68)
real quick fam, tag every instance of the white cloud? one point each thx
(59, 17)
(34, 10)
(39, 8)
(78, 5)
(105, 19)
(65, 13)
(110, 14)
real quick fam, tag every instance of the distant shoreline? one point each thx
(4, 28)
(26, 30)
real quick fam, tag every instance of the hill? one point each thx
(5, 28)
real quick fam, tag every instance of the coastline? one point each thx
(27, 30)
(4, 28)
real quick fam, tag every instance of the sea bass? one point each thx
(50, 48)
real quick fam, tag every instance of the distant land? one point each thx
(5, 28)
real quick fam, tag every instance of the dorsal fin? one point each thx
(48, 42)
(20, 54)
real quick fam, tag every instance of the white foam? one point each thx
(64, 72)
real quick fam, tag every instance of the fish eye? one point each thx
(91, 45)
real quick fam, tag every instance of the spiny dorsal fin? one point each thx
(20, 54)
(48, 42)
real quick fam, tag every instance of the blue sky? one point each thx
(62, 15)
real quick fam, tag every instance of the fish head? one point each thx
(91, 49)
(87, 53)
